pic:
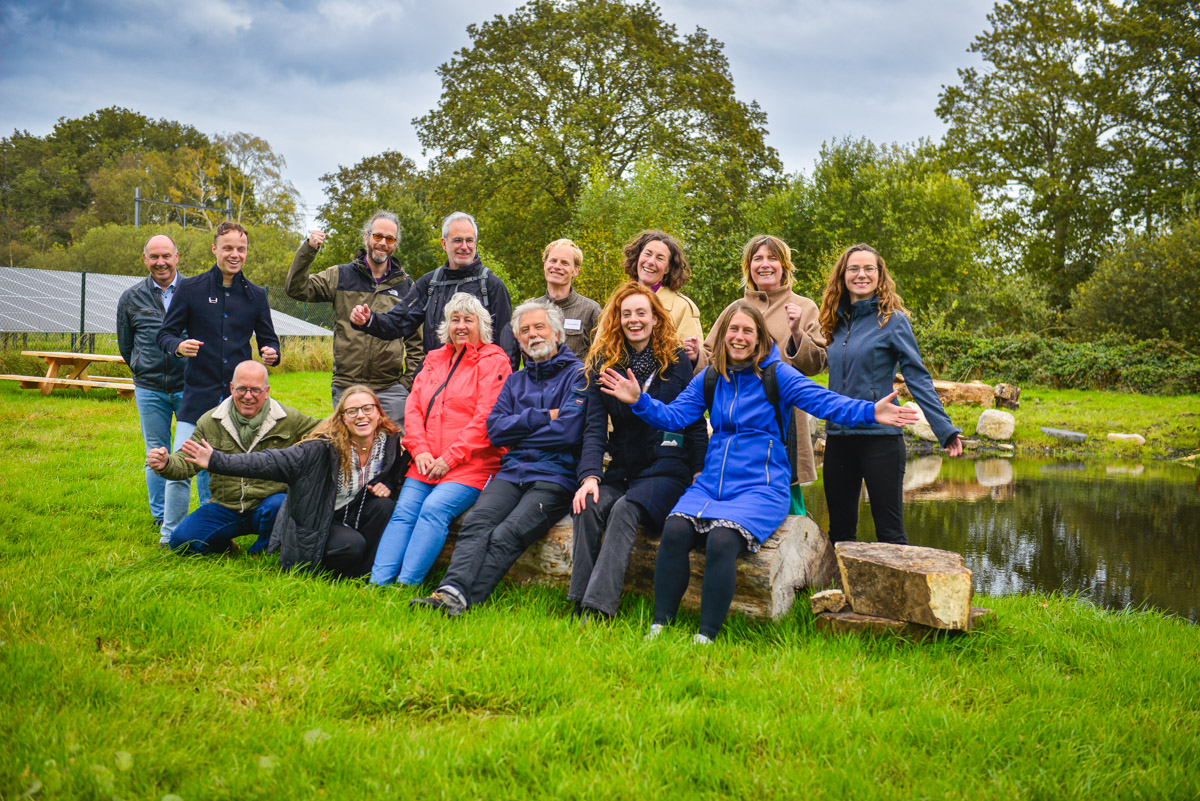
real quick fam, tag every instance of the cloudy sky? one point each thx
(328, 82)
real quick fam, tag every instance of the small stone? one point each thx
(1063, 434)
(970, 444)
(1004, 446)
(920, 429)
(1007, 396)
(1136, 439)
(828, 601)
(905, 582)
(981, 617)
(996, 424)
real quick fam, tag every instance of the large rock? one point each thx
(829, 623)
(1007, 396)
(1063, 434)
(904, 582)
(1136, 439)
(976, 392)
(996, 424)
(920, 429)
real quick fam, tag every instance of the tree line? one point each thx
(1072, 151)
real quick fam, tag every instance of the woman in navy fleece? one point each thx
(869, 335)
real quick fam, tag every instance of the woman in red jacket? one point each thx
(445, 430)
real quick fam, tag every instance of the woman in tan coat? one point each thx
(793, 322)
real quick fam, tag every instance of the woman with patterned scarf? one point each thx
(342, 480)
(649, 469)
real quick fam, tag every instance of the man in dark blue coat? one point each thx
(210, 323)
(539, 418)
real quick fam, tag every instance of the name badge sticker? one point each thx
(573, 325)
(671, 440)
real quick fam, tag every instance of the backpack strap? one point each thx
(771, 387)
(437, 281)
(710, 386)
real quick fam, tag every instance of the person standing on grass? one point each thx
(376, 279)
(870, 337)
(248, 420)
(462, 272)
(209, 324)
(538, 417)
(452, 457)
(561, 260)
(157, 376)
(649, 468)
(795, 329)
(341, 483)
(742, 495)
(655, 260)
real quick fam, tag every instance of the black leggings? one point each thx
(672, 572)
(878, 460)
(350, 552)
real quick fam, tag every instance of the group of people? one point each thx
(449, 402)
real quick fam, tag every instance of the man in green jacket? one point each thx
(374, 278)
(248, 420)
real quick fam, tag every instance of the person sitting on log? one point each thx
(341, 483)
(538, 417)
(742, 495)
(649, 468)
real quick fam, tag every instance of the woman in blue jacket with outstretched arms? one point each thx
(742, 494)
(869, 335)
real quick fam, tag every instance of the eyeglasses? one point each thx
(253, 392)
(366, 409)
(391, 240)
(867, 270)
(458, 241)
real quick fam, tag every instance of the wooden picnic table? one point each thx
(76, 366)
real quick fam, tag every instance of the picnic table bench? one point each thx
(76, 366)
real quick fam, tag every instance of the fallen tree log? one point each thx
(797, 555)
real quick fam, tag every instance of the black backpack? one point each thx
(438, 280)
(787, 431)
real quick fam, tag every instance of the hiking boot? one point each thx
(448, 601)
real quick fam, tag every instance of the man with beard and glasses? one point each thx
(462, 272)
(374, 279)
(538, 418)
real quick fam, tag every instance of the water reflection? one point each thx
(1117, 534)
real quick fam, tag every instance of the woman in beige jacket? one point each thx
(794, 325)
(655, 260)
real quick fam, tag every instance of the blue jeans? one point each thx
(155, 412)
(177, 494)
(417, 531)
(213, 527)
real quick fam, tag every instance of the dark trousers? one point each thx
(350, 549)
(672, 571)
(505, 520)
(878, 460)
(602, 543)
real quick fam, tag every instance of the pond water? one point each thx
(1117, 534)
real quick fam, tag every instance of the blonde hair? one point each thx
(778, 248)
(576, 253)
(762, 345)
(334, 429)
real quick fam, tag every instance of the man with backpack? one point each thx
(462, 272)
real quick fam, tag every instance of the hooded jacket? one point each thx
(309, 470)
(653, 466)
(863, 360)
(283, 426)
(139, 316)
(746, 471)
(455, 427)
(541, 449)
(358, 357)
(224, 319)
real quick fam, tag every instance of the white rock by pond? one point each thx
(1063, 434)
(920, 429)
(1136, 439)
(996, 424)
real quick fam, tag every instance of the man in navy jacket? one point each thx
(539, 418)
(210, 322)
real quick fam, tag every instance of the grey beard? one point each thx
(378, 258)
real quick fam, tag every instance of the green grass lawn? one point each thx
(127, 672)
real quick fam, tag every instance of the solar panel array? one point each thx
(48, 302)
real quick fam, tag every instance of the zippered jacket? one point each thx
(139, 316)
(358, 357)
(653, 466)
(747, 471)
(864, 358)
(541, 449)
(283, 426)
(455, 427)
(224, 319)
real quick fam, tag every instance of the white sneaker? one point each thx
(701, 639)
(655, 630)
